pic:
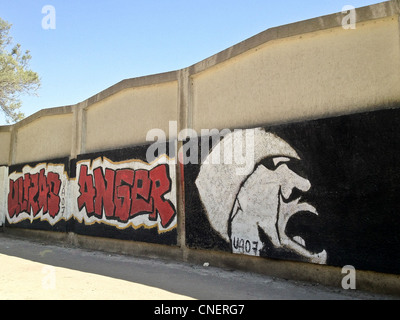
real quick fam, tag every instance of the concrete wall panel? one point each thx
(5, 137)
(307, 76)
(125, 118)
(47, 137)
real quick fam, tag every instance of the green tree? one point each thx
(15, 76)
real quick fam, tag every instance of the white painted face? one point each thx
(267, 201)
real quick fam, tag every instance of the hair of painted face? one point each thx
(219, 183)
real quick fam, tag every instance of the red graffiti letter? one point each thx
(54, 183)
(87, 191)
(160, 186)
(104, 192)
(43, 191)
(27, 184)
(122, 200)
(20, 182)
(33, 192)
(141, 193)
(13, 205)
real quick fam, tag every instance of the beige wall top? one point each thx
(47, 137)
(312, 75)
(125, 118)
(5, 140)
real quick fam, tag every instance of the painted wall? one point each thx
(319, 186)
(130, 109)
(114, 194)
(46, 137)
(37, 195)
(322, 191)
(119, 195)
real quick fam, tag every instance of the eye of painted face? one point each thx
(273, 163)
(280, 160)
(294, 165)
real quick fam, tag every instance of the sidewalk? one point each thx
(35, 270)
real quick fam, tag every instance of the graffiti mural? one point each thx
(133, 193)
(118, 194)
(115, 194)
(242, 208)
(38, 193)
(321, 191)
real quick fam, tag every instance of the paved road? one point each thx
(37, 270)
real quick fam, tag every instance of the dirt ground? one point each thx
(27, 280)
(31, 270)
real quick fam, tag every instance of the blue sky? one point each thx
(97, 43)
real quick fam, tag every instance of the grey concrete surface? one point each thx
(32, 269)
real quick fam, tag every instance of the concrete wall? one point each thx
(130, 109)
(312, 75)
(5, 143)
(47, 136)
(309, 70)
(3, 193)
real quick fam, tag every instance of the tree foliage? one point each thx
(15, 76)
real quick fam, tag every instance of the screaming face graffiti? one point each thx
(252, 212)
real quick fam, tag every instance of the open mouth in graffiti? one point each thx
(302, 228)
(298, 227)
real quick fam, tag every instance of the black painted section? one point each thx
(140, 235)
(353, 164)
